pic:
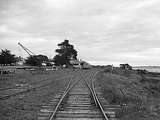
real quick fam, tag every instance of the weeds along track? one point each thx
(78, 102)
(5, 94)
(32, 83)
(109, 110)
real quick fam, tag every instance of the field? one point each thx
(26, 106)
(138, 93)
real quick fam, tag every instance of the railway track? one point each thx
(23, 86)
(79, 101)
(30, 83)
(5, 94)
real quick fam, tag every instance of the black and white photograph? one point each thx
(79, 59)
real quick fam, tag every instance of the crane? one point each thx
(38, 58)
(30, 53)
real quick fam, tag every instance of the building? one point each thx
(125, 66)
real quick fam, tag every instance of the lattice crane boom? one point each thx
(30, 53)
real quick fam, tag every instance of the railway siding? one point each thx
(5, 94)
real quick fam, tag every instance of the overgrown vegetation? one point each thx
(26, 106)
(138, 93)
(114, 89)
(152, 84)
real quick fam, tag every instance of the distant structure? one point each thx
(21, 61)
(125, 66)
(80, 64)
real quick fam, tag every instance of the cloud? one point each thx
(4, 29)
(110, 31)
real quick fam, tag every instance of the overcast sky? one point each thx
(102, 31)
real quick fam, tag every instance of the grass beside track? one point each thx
(26, 106)
(127, 89)
(25, 78)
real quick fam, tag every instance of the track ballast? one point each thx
(78, 102)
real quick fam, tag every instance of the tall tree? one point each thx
(6, 58)
(66, 52)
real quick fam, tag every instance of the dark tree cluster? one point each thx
(36, 60)
(66, 52)
(6, 58)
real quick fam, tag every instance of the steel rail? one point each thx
(68, 88)
(94, 95)
(32, 83)
(26, 90)
(98, 102)
(91, 91)
(91, 88)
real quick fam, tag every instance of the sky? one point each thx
(102, 31)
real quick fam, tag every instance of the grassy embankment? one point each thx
(26, 106)
(139, 94)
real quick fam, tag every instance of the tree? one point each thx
(42, 58)
(6, 58)
(65, 53)
(33, 60)
(36, 60)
